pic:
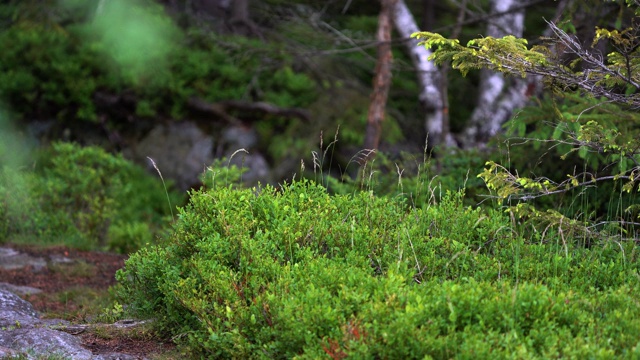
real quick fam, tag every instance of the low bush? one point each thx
(82, 197)
(298, 273)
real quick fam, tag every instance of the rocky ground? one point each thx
(66, 290)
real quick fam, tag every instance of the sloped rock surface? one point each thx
(19, 290)
(13, 308)
(22, 331)
(45, 342)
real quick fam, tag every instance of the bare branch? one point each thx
(576, 48)
(527, 197)
(222, 109)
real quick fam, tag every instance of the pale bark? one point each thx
(497, 96)
(428, 77)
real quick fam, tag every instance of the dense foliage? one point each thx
(295, 272)
(58, 71)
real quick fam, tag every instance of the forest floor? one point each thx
(77, 290)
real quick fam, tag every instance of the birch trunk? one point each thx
(428, 77)
(497, 96)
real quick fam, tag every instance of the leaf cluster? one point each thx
(508, 54)
(589, 72)
(586, 163)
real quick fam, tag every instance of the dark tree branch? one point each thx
(526, 197)
(267, 109)
(214, 109)
(222, 109)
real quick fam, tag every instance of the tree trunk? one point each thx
(240, 21)
(444, 79)
(428, 15)
(382, 78)
(428, 77)
(208, 8)
(240, 10)
(497, 96)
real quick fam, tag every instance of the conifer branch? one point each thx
(510, 55)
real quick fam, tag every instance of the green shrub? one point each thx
(295, 272)
(127, 237)
(222, 174)
(19, 211)
(83, 197)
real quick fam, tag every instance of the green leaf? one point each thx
(622, 165)
(558, 131)
(583, 152)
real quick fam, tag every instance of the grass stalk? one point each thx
(165, 187)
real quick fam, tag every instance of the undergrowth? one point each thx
(294, 272)
(386, 266)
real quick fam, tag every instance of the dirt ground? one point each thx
(77, 290)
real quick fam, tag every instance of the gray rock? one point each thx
(59, 259)
(240, 137)
(7, 353)
(181, 151)
(43, 341)
(13, 308)
(11, 259)
(21, 330)
(19, 290)
(23, 334)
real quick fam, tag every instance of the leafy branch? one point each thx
(510, 55)
(514, 187)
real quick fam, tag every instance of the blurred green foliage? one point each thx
(138, 35)
(42, 72)
(82, 197)
(46, 68)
